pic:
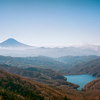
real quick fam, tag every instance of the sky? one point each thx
(50, 23)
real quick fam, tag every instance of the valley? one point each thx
(38, 72)
(49, 50)
(50, 72)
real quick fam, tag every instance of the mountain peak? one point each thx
(11, 40)
(12, 43)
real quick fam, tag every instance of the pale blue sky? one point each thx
(50, 22)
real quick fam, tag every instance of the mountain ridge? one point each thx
(11, 47)
(90, 67)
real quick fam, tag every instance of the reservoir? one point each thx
(81, 80)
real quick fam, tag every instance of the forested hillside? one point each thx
(39, 62)
(91, 67)
(74, 60)
(53, 87)
(45, 76)
(14, 87)
(93, 85)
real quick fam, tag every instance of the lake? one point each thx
(81, 80)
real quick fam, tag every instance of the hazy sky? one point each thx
(50, 22)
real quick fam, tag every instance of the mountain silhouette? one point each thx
(12, 43)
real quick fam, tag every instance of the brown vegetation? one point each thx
(8, 80)
(93, 85)
(45, 76)
(23, 86)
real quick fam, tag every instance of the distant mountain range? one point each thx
(12, 47)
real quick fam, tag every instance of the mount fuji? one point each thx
(12, 43)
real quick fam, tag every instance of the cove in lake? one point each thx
(81, 80)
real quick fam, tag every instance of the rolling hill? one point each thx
(91, 67)
(93, 85)
(45, 76)
(14, 87)
(74, 60)
(38, 62)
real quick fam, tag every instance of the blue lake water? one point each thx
(81, 80)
